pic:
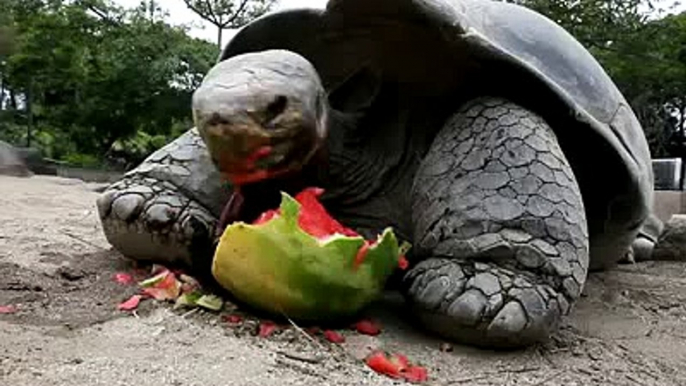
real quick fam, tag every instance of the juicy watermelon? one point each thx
(300, 262)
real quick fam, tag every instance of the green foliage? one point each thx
(85, 80)
(95, 74)
(645, 56)
(649, 66)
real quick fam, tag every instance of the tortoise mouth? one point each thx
(270, 158)
(262, 164)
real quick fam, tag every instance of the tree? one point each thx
(225, 14)
(90, 74)
(644, 55)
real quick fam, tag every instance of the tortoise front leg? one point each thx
(499, 218)
(166, 209)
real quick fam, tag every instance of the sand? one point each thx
(56, 268)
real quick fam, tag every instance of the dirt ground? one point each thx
(57, 268)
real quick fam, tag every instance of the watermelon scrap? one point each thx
(416, 374)
(123, 278)
(266, 329)
(367, 327)
(233, 319)
(130, 304)
(334, 336)
(188, 299)
(396, 366)
(210, 302)
(163, 286)
(8, 309)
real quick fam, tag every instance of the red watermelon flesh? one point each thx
(317, 222)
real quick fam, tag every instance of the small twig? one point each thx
(191, 312)
(302, 358)
(77, 238)
(519, 370)
(548, 379)
(299, 368)
(304, 333)
(585, 371)
(494, 373)
(470, 379)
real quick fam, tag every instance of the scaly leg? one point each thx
(500, 223)
(170, 203)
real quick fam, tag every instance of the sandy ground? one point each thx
(57, 268)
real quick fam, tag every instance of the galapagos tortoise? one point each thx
(483, 132)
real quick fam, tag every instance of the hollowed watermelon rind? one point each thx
(279, 268)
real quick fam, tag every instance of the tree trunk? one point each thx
(2, 92)
(13, 100)
(152, 11)
(220, 30)
(682, 118)
(29, 113)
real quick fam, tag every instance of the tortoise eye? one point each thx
(276, 108)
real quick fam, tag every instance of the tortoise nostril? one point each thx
(216, 120)
(276, 108)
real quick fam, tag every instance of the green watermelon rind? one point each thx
(279, 268)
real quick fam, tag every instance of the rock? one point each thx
(11, 163)
(668, 173)
(35, 162)
(672, 242)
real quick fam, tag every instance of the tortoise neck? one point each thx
(317, 172)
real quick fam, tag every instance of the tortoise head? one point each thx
(261, 115)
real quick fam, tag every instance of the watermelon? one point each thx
(298, 261)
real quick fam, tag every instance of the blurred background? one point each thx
(100, 84)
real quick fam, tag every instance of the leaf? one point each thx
(8, 309)
(333, 336)
(367, 327)
(210, 302)
(123, 278)
(130, 304)
(189, 299)
(266, 329)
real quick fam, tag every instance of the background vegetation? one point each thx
(92, 84)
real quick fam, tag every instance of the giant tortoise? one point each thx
(483, 132)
